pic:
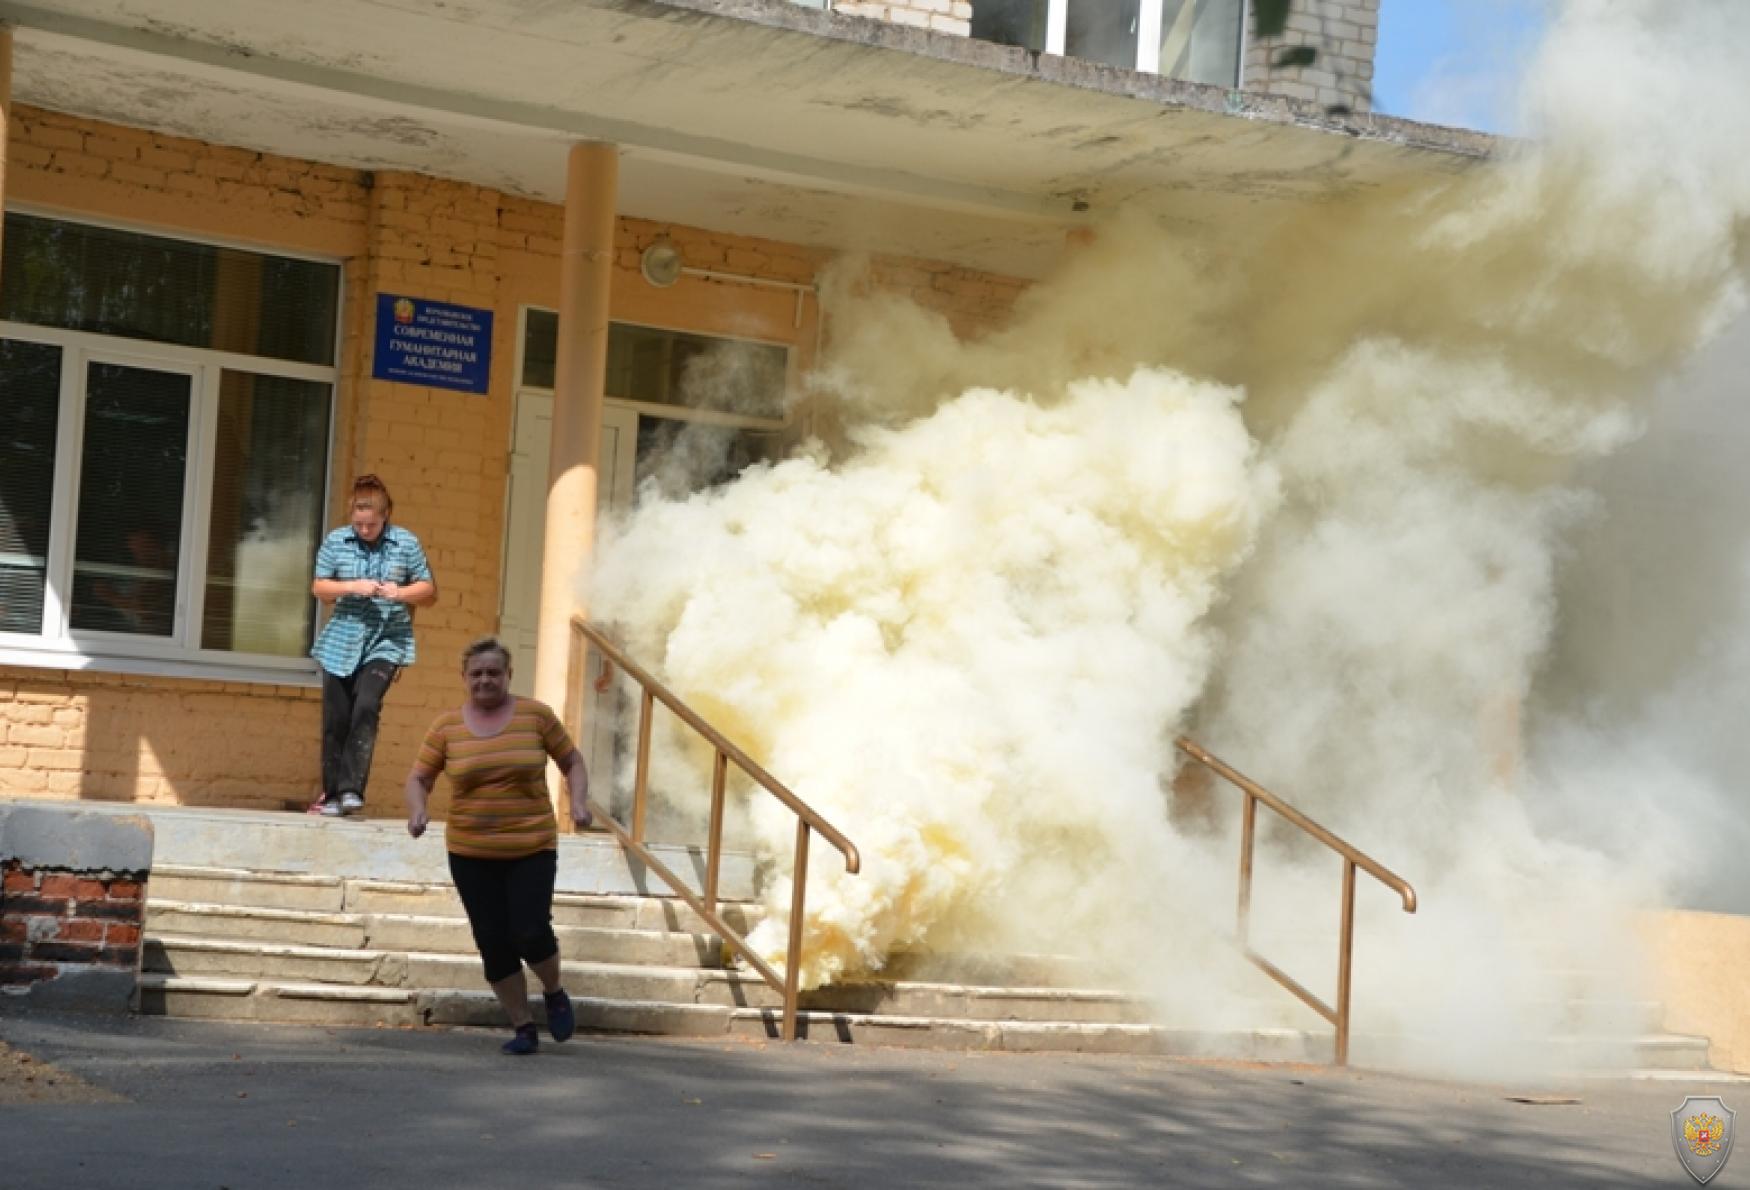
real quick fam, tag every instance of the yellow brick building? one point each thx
(100, 731)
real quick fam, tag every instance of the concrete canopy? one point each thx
(751, 116)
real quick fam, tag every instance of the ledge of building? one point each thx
(1089, 76)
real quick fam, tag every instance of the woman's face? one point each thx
(487, 677)
(368, 520)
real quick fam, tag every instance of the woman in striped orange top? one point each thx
(502, 836)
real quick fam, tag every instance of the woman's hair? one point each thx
(486, 644)
(368, 489)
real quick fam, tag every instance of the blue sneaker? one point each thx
(561, 1021)
(525, 1042)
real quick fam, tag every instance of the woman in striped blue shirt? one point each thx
(372, 574)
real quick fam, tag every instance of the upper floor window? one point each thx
(164, 425)
(1198, 41)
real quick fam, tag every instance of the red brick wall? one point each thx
(54, 921)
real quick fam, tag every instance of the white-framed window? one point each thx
(707, 406)
(165, 416)
(1197, 41)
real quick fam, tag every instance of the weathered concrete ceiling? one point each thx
(752, 116)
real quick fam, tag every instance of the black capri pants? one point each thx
(510, 909)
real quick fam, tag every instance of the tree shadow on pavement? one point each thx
(270, 1106)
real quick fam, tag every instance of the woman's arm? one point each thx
(330, 589)
(577, 786)
(418, 789)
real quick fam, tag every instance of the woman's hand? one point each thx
(418, 789)
(577, 789)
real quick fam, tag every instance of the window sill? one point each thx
(267, 671)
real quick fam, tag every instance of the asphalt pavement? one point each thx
(137, 1104)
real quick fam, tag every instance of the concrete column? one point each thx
(585, 271)
(5, 109)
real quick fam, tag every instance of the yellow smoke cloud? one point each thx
(946, 641)
(968, 632)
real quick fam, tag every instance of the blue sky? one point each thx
(1454, 61)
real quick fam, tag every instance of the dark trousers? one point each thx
(350, 707)
(510, 909)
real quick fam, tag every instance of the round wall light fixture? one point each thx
(661, 264)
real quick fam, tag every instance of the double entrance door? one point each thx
(680, 451)
(525, 528)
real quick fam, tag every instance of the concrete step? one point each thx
(380, 849)
(1261, 1045)
(905, 998)
(574, 909)
(331, 894)
(244, 889)
(294, 1002)
(390, 931)
(223, 958)
(402, 935)
(593, 944)
(1612, 1017)
(210, 998)
(1671, 1051)
(602, 1014)
(288, 927)
(613, 981)
(987, 970)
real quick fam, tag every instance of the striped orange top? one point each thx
(500, 808)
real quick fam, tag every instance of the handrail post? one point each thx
(1345, 954)
(714, 847)
(641, 782)
(793, 963)
(1248, 829)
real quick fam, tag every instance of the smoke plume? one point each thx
(1307, 496)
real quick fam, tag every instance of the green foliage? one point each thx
(1295, 55)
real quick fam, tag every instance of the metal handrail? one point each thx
(807, 820)
(1352, 858)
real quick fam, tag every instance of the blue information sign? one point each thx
(432, 343)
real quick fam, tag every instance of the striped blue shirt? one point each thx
(362, 628)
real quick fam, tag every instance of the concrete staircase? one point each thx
(351, 922)
(269, 917)
(236, 944)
